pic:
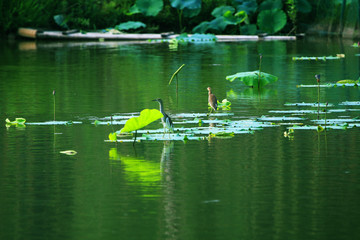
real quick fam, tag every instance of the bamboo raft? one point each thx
(96, 36)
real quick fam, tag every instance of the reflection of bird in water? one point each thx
(166, 120)
(212, 100)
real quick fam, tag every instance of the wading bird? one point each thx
(166, 120)
(212, 100)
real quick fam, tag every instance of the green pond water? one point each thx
(258, 184)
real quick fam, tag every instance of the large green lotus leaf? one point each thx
(129, 25)
(201, 28)
(146, 117)
(271, 21)
(182, 4)
(252, 78)
(220, 11)
(218, 24)
(249, 6)
(149, 7)
(270, 4)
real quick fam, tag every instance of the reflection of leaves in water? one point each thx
(251, 93)
(140, 172)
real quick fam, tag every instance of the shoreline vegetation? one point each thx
(219, 17)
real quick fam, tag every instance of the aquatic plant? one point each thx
(130, 25)
(146, 117)
(19, 122)
(256, 79)
(323, 58)
(253, 79)
(271, 21)
(224, 16)
(146, 7)
(175, 74)
(69, 152)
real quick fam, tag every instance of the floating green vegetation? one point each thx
(69, 152)
(356, 45)
(197, 126)
(348, 81)
(284, 118)
(224, 105)
(19, 122)
(54, 123)
(328, 85)
(303, 104)
(350, 103)
(196, 38)
(323, 58)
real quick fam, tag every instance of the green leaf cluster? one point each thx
(253, 79)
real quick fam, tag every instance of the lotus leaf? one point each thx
(271, 21)
(221, 11)
(146, 117)
(270, 4)
(249, 6)
(182, 4)
(129, 25)
(147, 7)
(252, 78)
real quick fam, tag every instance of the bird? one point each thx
(166, 120)
(212, 100)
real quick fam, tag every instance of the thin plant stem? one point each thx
(135, 138)
(54, 104)
(318, 100)
(259, 72)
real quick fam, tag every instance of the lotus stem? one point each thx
(135, 138)
(325, 114)
(317, 76)
(54, 103)
(259, 72)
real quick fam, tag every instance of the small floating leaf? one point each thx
(112, 136)
(69, 152)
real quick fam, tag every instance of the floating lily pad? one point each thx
(69, 152)
(328, 85)
(303, 104)
(264, 118)
(54, 123)
(323, 58)
(350, 103)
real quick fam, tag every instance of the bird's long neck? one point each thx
(209, 92)
(161, 108)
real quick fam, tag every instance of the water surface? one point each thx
(252, 186)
